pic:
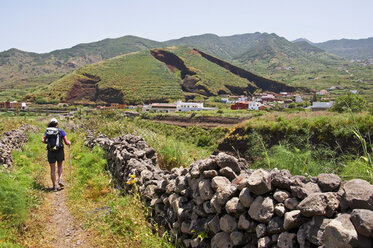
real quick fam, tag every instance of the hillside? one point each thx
(268, 55)
(350, 49)
(156, 75)
(19, 69)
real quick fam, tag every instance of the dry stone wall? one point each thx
(11, 140)
(220, 202)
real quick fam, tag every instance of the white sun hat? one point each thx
(54, 120)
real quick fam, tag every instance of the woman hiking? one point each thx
(53, 138)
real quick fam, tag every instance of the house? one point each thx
(188, 106)
(321, 106)
(322, 92)
(160, 107)
(254, 105)
(226, 100)
(240, 105)
(268, 98)
(298, 99)
(242, 99)
(118, 106)
(178, 106)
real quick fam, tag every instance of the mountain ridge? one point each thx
(265, 54)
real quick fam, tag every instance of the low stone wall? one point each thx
(11, 140)
(220, 202)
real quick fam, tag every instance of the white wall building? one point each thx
(253, 105)
(242, 99)
(172, 107)
(298, 99)
(188, 106)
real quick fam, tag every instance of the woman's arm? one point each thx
(43, 139)
(66, 141)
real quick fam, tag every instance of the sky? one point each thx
(45, 25)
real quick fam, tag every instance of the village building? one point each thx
(240, 105)
(298, 99)
(322, 92)
(172, 107)
(160, 107)
(118, 106)
(321, 106)
(13, 105)
(254, 105)
(268, 98)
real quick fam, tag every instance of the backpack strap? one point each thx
(58, 139)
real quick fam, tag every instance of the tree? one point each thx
(350, 102)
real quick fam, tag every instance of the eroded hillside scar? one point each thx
(263, 83)
(172, 61)
(188, 83)
(83, 88)
(87, 88)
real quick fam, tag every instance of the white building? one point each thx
(172, 107)
(242, 99)
(160, 107)
(253, 105)
(226, 100)
(188, 106)
(298, 99)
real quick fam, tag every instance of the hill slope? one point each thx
(156, 75)
(18, 66)
(20, 69)
(267, 55)
(350, 49)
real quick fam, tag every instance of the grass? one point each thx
(20, 191)
(308, 143)
(211, 75)
(176, 146)
(139, 76)
(118, 220)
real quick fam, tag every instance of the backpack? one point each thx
(53, 139)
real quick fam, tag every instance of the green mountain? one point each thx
(19, 69)
(351, 49)
(267, 55)
(155, 75)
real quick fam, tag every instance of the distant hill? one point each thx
(23, 69)
(295, 63)
(350, 49)
(156, 75)
(303, 39)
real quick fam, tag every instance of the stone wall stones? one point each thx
(219, 197)
(11, 140)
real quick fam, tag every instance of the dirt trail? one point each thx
(52, 225)
(63, 229)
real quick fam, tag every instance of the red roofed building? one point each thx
(240, 105)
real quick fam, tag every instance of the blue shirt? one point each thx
(62, 134)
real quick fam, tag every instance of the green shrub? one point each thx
(349, 103)
(203, 141)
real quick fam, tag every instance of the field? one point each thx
(305, 143)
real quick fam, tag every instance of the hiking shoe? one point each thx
(54, 188)
(61, 183)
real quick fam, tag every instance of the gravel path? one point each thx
(63, 230)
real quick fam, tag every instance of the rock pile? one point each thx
(219, 202)
(13, 139)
